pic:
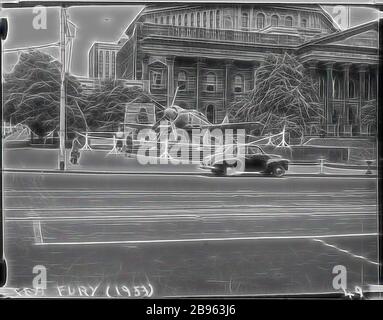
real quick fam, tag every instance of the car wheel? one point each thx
(220, 170)
(278, 171)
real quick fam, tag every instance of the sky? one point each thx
(104, 24)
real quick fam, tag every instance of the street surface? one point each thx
(189, 235)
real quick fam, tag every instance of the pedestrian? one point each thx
(75, 151)
(119, 138)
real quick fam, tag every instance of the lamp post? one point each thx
(62, 156)
(3, 264)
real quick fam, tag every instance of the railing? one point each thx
(219, 35)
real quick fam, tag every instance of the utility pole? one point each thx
(3, 262)
(62, 155)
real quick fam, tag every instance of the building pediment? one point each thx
(362, 36)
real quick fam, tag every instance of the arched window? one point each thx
(260, 21)
(228, 23)
(239, 84)
(210, 113)
(179, 20)
(185, 20)
(156, 20)
(274, 20)
(167, 19)
(218, 19)
(204, 20)
(304, 23)
(142, 116)
(288, 22)
(174, 20)
(211, 82)
(211, 20)
(192, 20)
(352, 89)
(182, 81)
(162, 20)
(245, 20)
(198, 20)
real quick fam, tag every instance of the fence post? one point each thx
(369, 162)
(321, 165)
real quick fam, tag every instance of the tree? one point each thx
(285, 95)
(32, 94)
(105, 106)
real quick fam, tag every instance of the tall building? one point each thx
(212, 52)
(102, 60)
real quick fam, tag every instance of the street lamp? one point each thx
(3, 264)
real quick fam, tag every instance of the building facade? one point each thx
(212, 52)
(102, 60)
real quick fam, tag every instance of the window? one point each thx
(179, 20)
(228, 23)
(288, 22)
(182, 84)
(204, 20)
(113, 65)
(238, 84)
(185, 20)
(210, 113)
(245, 21)
(162, 20)
(100, 63)
(260, 21)
(142, 116)
(174, 20)
(210, 82)
(274, 20)
(198, 20)
(304, 23)
(157, 79)
(156, 20)
(211, 19)
(107, 64)
(217, 19)
(192, 20)
(167, 20)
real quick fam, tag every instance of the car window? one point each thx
(253, 150)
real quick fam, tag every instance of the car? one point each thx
(255, 160)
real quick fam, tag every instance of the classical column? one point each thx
(346, 86)
(362, 91)
(145, 72)
(329, 93)
(145, 68)
(256, 65)
(198, 83)
(170, 84)
(227, 93)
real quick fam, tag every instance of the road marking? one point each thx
(345, 251)
(208, 239)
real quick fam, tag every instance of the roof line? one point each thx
(340, 33)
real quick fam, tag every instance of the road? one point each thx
(189, 235)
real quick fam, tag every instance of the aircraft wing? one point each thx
(233, 125)
(139, 125)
